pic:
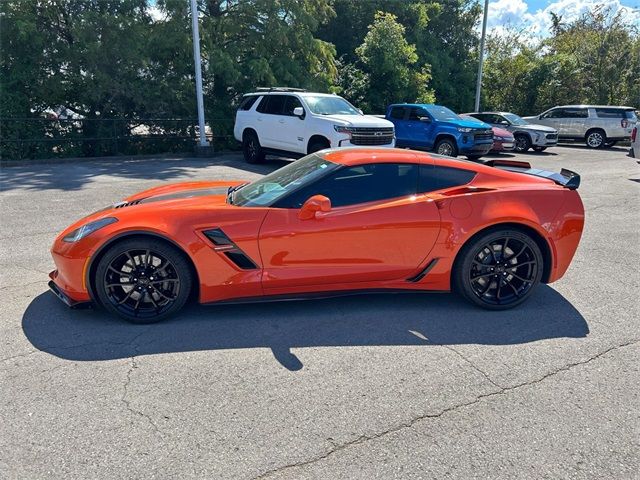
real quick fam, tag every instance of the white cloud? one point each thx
(515, 13)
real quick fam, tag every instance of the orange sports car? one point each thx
(336, 221)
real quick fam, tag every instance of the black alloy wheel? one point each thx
(523, 143)
(251, 148)
(499, 270)
(143, 281)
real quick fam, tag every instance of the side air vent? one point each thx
(227, 247)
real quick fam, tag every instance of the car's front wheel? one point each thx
(523, 143)
(498, 270)
(446, 147)
(595, 138)
(143, 280)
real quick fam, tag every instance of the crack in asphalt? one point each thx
(473, 365)
(127, 403)
(409, 424)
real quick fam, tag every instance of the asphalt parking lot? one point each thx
(395, 386)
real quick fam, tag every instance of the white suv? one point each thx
(292, 122)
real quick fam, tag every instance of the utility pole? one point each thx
(196, 58)
(481, 59)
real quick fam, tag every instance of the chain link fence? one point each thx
(39, 138)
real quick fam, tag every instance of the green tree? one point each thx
(391, 63)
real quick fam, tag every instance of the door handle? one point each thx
(259, 119)
(280, 121)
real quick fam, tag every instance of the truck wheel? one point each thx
(446, 147)
(523, 142)
(251, 148)
(595, 138)
(318, 145)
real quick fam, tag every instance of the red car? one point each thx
(335, 221)
(503, 140)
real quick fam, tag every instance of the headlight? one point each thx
(87, 229)
(343, 129)
(498, 139)
(464, 129)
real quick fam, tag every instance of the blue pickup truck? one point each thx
(436, 128)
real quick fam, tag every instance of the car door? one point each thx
(292, 134)
(378, 229)
(421, 127)
(553, 118)
(268, 123)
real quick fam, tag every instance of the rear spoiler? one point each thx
(566, 178)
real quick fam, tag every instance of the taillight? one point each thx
(634, 133)
(624, 123)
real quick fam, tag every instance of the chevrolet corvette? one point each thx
(334, 222)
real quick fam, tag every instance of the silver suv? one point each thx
(596, 125)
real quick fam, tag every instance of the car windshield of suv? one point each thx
(269, 189)
(442, 114)
(514, 119)
(322, 105)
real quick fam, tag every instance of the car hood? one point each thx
(367, 121)
(536, 127)
(183, 190)
(501, 132)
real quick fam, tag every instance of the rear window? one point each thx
(247, 102)
(434, 178)
(631, 115)
(397, 113)
(611, 113)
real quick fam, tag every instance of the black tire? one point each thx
(523, 142)
(318, 145)
(446, 147)
(539, 149)
(494, 277)
(474, 158)
(595, 138)
(251, 148)
(143, 280)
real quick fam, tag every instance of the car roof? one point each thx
(619, 107)
(291, 92)
(428, 105)
(353, 156)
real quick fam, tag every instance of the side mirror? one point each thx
(503, 122)
(360, 111)
(315, 204)
(425, 119)
(299, 112)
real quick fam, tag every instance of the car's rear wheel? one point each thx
(595, 138)
(143, 281)
(539, 149)
(498, 270)
(251, 148)
(446, 147)
(523, 142)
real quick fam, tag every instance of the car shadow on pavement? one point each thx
(74, 175)
(364, 320)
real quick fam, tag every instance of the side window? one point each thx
(434, 178)
(576, 113)
(275, 105)
(397, 113)
(262, 107)
(555, 113)
(485, 117)
(610, 113)
(416, 113)
(360, 184)
(247, 102)
(290, 104)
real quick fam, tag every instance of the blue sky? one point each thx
(534, 14)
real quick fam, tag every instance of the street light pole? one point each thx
(196, 58)
(481, 59)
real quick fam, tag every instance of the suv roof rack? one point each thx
(280, 89)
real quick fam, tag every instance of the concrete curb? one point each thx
(112, 158)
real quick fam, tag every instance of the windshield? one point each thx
(269, 189)
(330, 106)
(514, 119)
(442, 114)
